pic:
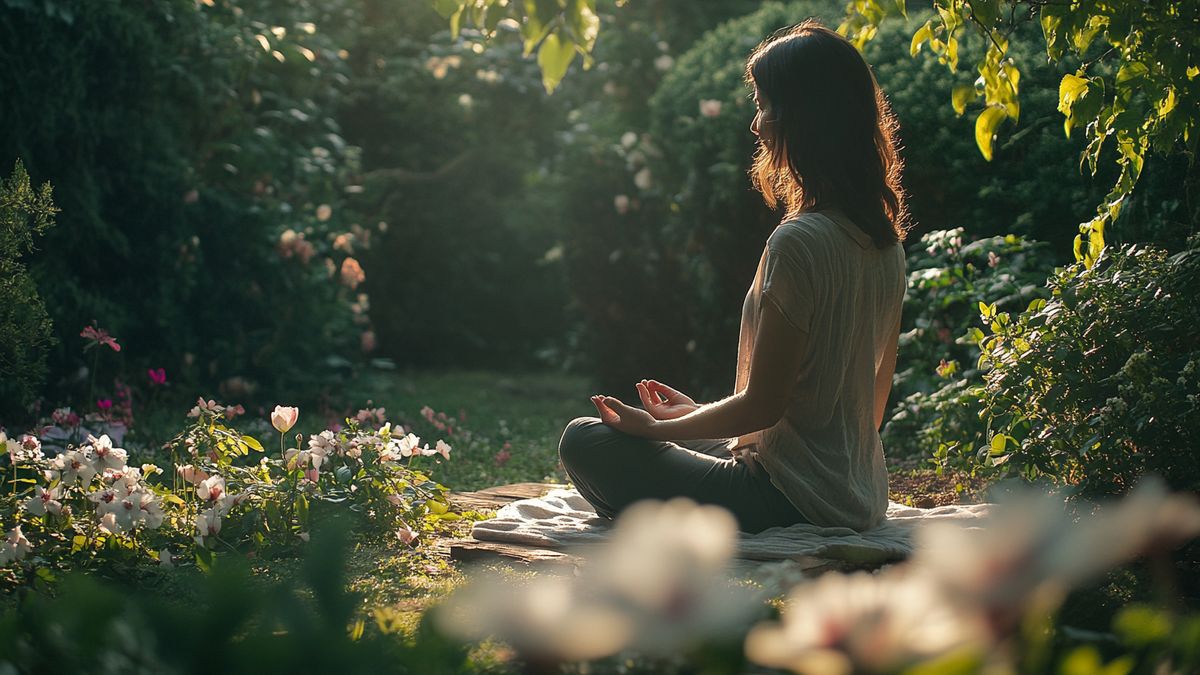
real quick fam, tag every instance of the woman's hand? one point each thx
(621, 417)
(663, 402)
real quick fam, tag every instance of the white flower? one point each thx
(643, 179)
(283, 418)
(9, 445)
(548, 620)
(320, 446)
(862, 623)
(710, 107)
(44, 501)
(211, 489)
(75, 465)
(208, 524)
(149, 511)
(444, 448)
(664, 62)
(621, 204)
(107, 457)
(14, 547)
(27, 452)
(628, 140)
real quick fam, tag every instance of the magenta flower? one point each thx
(157, 376)
(104, 404)
(99, 336)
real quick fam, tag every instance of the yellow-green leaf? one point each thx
(1167, 103)
(252, 442)
(961, 96)
(554, 56)
(985, 129)
(919, 38)
(1070, 90)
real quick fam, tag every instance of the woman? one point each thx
(798, 441)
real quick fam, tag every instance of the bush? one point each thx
(25, 330)
(1101, 383)
(936, 369)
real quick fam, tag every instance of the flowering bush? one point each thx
(86, 501)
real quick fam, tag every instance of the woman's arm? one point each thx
(883, 378)
(774, 367)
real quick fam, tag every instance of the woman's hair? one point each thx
(830, 138)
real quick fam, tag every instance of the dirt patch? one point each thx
(912, 484)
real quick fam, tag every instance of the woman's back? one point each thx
(830, 281)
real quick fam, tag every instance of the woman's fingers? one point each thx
(649, 400)
(607, 415)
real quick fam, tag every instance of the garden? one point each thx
(287, 286)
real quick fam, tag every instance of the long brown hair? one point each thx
(830, 140)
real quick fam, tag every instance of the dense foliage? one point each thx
(1133, 82)
(1100, 384)
(25, 331)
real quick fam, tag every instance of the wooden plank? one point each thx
(470, 550)
(490, 499)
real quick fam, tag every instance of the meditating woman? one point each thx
(798, 441)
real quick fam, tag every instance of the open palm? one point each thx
(663, 402)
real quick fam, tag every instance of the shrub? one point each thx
(25, 330)
(937, 409)
(1101, 383)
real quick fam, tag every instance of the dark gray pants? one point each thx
(612, 470)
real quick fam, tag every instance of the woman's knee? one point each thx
(580, 437)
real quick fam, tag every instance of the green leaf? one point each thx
(554, 56)
(902, 6)
(961, 96)
(447, 7)
(253, 443)
(985, 129)
(986, 12)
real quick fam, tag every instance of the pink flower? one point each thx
(284, 418)
(367, 341)
(503, 456)
(352, 273)
(192, 474)
(104, 404)
(406, 534)
(444, 448)
(99, 336)
(234, 411)
(312, 474)
(158, 376)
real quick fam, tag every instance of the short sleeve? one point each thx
(787, 283)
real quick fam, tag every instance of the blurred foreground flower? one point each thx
(657, 587)
(1031, 552)
(863, 623)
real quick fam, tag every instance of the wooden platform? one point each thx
(487, 501)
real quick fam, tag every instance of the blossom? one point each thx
(444, 448)
(313, 474)
(629, 139)
(202, 406)
(75, 465)
(14, 546)
(104, 404)
(107, 457)
(64, 417)
(295, 458)
(643, 180)
(99, 336)
(234, 411)
(406, 534)
(664, 62)
(211, 489)
(9, 446)
(710, 107)
(320, 446)
(158, 376)
(324, 212)
(191, 474)
(44, 501)
(504, 455)
(371, 415)
(208, 524)
(283, 418)
(621, 204)
(352, 273)
(862, 622)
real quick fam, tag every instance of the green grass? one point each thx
(527, 410)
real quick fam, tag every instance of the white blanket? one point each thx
(564, 519)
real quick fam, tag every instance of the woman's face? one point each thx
(762, 114)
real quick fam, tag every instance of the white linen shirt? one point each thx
(831, 282)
